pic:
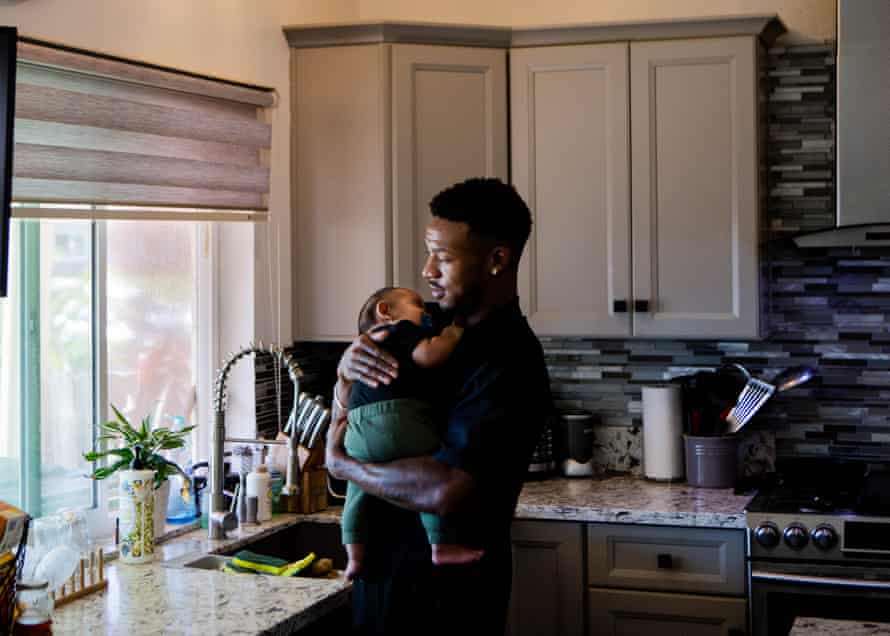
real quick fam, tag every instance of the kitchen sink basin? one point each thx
(295, 542)
(291, 544)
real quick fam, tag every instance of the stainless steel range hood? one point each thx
(863, 127)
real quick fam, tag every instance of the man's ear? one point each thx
(500, 258)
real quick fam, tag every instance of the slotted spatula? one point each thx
(753, 396)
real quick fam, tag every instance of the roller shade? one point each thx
(101, 137)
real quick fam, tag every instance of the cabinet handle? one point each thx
(665, 561)
(641, 306)
(619, 306)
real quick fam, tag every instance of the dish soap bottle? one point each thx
(259, 485)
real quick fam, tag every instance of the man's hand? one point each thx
(366, 362)
(335, 450)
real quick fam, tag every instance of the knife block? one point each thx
(314, 490)
(313, 495)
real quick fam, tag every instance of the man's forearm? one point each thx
(416, 483)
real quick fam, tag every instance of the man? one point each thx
(496, 399)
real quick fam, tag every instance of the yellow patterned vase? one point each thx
(136, 516)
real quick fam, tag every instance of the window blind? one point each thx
(101, 137)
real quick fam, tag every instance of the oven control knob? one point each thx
(824, 537)
(796, 536)
(767, 535)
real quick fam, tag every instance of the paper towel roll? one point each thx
(663, 432)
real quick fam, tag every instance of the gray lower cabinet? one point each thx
(548, 579)
(626, 613)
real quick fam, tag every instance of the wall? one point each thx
(806, 20)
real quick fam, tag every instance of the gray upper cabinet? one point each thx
(378, 130)
(652, 237)
(695, 199)
(570, 151)
(449, 123)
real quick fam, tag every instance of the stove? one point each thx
(819, 540)
(822, 511)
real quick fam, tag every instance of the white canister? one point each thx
(663, 432)
(259, 485)
(136, 514)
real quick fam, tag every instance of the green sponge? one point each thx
(259, 562)
(231, 568)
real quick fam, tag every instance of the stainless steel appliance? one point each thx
(577, 430)
(863, 136)
(819, 545)
(543, 462)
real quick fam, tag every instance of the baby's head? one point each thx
(389, 305)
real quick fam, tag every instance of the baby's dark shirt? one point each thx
(413, 381)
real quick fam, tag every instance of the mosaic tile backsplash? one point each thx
(827, 308)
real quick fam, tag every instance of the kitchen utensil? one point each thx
(577, 430)
(320, 428)
(293, 421)
(753, 396)
(662, 432)
(316, 410)
(793, 377)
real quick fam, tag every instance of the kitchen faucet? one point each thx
(222, 520)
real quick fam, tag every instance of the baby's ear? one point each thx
(382, 310)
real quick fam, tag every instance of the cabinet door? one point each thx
(548, 589)
(340, 186)
(624, 613)
(449, 118)
(695, 200)
(569, 109)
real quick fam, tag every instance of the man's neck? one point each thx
(498, 296)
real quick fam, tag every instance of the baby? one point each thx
(398, 420)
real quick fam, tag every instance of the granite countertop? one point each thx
(626, 499)
(156, 598)
(808, 626)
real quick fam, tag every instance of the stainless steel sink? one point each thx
(295, 542)
(207, 562)
(291, 543)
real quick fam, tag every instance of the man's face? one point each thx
(455, 265)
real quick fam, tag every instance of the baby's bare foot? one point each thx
(355, 552)
(454, 554)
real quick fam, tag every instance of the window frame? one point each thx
(205, 299)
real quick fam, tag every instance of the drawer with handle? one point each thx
(675, 559)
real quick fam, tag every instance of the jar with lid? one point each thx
(36, 606)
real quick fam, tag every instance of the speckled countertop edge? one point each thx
(274, 606)
(626, 499)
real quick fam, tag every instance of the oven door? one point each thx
(780, 593)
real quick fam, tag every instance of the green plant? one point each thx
(140, 447)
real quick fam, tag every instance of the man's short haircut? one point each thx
(493, 210)
(367, 317)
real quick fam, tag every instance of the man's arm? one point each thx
(416, 483)
(365, 362)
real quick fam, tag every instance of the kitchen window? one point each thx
(121, 171)
(100, 312)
